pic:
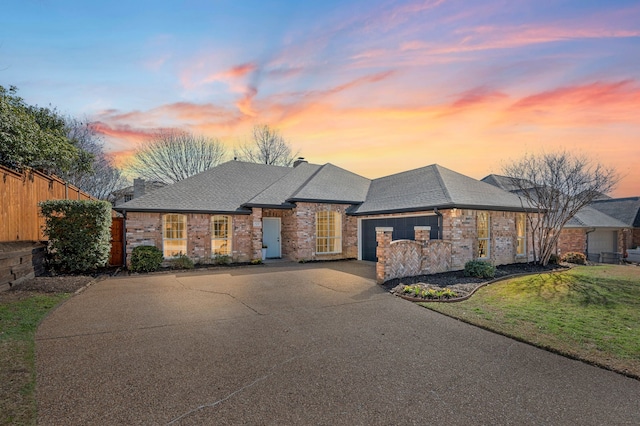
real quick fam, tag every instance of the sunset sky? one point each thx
(375, 87)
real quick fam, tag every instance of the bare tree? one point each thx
(175, 155)
(554, 187)
(267, 147)
(103, 178)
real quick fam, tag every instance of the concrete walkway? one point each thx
(299, 344)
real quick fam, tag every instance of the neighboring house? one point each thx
(595, 231)
(323, 212)
(626, 210)
(138, 189)
(599, 236)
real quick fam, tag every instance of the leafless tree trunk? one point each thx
(553, 188)
(103, 178)
(174, 155)
(267, 147)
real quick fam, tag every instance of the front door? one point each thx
(271, 236)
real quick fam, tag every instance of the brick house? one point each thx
(602, 230)
(323, 212)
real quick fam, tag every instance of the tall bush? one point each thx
(78, 232)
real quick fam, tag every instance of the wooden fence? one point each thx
(20, 193)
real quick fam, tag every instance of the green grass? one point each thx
(20, 314)
(590, 313)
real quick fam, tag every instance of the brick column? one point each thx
(256, 233)
(383, 238)
(423, 233)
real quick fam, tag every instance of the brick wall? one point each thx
(404, 258)
(299, 233)
(572, 240)
(634, 238)
(459, 227)
(145, 229)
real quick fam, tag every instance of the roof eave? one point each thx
(323, 201)
(444, 206)
(185, 211)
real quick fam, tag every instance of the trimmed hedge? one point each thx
(146, 259)
(79, 234)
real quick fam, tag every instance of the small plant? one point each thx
(554, 259)
(574, 257)
(447, 294)
(146, 259)
(256, 261)
(222, 259)
(479, 269)
(181, 262)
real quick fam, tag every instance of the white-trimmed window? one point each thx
(220, 235)
(521, 234)
(174, 235)
(483, 229)
(328, 232)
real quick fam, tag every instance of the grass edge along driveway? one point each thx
(591, 313)
(20, 315)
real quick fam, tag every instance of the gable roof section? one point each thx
(433, 187)
(588, 217)
(221, 189)
(626, 210)
(331, 184)
(278, 193)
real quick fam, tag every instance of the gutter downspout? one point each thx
(440, 222)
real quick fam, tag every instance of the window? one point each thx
(174, 235)
(521, 233)
(483, 235)
(328, 232)
(220, 235)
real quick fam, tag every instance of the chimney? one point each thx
(138, 187)
(299, 161)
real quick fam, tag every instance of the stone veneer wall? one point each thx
(20, 260)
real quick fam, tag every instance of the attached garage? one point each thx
(601, 241)
(402, 230)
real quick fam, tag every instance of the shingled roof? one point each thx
(235, 186)
(221, 189)
(431, 187)
(588, 217)
(626, 210)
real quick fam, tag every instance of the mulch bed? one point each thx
(457, 282)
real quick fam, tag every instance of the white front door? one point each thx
(271, 236)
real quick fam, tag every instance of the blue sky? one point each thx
(376, 87)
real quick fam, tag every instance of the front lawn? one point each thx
(589, 312)
(20, 314)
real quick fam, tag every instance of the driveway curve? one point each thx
(299, 344)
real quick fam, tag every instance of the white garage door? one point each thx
(602, 242)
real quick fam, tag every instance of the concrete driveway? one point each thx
(299, 344)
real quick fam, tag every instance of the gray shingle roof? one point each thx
(331, 183)
(281, 190)
(434, 187)
(626, 210)
(224, 188)
(589, 217)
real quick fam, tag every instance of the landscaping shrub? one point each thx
(479, 269)
(146, 259)
(79, 234)
(554, 259)
(574, 257)
(182, 262)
